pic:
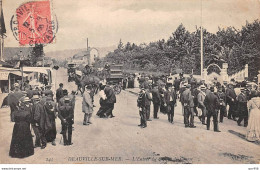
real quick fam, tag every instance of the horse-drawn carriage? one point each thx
(115, 78)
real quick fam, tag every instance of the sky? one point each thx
(105, 22)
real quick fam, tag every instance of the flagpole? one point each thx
(2, 45)
(201, 42)
(2, 36)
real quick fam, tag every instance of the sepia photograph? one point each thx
(130, 82)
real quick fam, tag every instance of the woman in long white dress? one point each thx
(253, 128)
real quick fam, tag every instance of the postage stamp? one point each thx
(34, 23)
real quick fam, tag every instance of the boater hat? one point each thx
(16, 85)
(48, 86)
(202, 87)
(36, 97)
(26, 99)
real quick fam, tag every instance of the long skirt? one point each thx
(22, 141)
(51, 134)
(253, 128)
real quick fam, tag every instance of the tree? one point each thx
(182, 51)
(120, 45)
(37, 54)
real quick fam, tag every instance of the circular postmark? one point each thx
(33, 23)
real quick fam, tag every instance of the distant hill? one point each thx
(103, 51)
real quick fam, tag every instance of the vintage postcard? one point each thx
(130, 82)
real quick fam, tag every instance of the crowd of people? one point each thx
(35, 109)
(236, 102)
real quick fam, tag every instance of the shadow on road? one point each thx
(242, 136)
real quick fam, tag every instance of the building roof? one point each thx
(11, 52)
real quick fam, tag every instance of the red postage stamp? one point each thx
(34, 23)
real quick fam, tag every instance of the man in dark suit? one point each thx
(170, 101)
(156, 101)
(222, 101)
(59, 92)
(176, 84)
(231, 100)
(65, 113)
(187, 101)
(110, 101)
(212, 104)
(242, 108)
(141, 102)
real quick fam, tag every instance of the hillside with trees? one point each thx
(182, 51)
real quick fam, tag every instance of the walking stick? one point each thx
(61, 138)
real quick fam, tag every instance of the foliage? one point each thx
(60, 63)
(182, 51)
(36, 54)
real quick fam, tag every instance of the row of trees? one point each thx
(182, 51)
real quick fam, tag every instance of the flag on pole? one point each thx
(2, 22)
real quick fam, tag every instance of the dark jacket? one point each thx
(48, 93)
(59, 94)
(148, 98)
(65, 111)
(170, 97)
(156, 96)
(177, 84)
(242, 102)
(29, 93)
(111, 97)
(230, 95)
(40, 117)
(222, 98)
(187, 98)
(211, 102)
(67, 114)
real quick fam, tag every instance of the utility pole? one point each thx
(201, 41)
